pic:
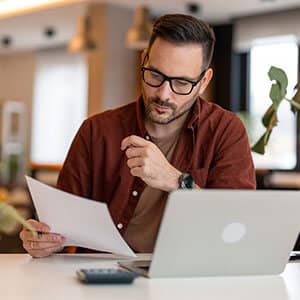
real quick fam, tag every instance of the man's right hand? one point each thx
(44, 244)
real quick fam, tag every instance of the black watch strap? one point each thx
(186, 181)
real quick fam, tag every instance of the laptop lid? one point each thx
(226, 232)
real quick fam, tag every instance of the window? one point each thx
(59, 104)
(280, 52)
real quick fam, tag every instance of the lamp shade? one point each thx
(82, 41)
(139, 34)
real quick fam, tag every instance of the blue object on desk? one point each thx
(106, 276)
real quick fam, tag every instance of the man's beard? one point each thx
(158, 118)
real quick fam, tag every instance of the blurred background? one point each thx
(62, 61)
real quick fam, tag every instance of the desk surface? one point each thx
(54, 278)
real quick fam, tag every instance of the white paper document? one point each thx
(84, 223)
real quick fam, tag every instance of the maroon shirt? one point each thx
(213, 147)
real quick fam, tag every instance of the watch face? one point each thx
(186, 181)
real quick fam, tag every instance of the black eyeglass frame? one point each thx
(169, 79)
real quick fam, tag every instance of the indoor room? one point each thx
(102, 100)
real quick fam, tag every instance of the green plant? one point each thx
(9, 216)
(277, 95)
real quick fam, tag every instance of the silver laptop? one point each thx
(224, 233)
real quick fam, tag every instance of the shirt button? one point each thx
(147, 137)
(120, 226)
(134, 193)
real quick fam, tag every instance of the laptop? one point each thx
(223, 233)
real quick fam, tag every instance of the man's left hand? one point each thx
(146, 161)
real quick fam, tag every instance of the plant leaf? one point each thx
(296, 99)
(295, 105)
(275, 95)
(9, 217)
(267, 136)
(278, 89)
(270, 118)
(280, 77)
(7, 222)
(259, 146)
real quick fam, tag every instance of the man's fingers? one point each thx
(132, 152)
(44, 240)
(39, 226)
(45, 252)
(44, 244)
(41, 246)
(133, 140)
(50, 237)
(27, 235)
(137, 171)
(135, 162)
(24, 234)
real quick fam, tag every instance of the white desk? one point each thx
(54, 278)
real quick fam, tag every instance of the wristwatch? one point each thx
(186, 181)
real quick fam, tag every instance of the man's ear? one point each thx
(206, 80)
(143, 55)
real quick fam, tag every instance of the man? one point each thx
(133, 156)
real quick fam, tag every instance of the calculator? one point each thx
(106, 276)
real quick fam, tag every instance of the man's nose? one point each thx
(164, 91)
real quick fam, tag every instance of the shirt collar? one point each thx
(195, 114)
(140, 115)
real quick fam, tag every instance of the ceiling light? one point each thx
(139, 34)
(13, 6)
(82, 41)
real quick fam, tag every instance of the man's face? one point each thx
(163, 105)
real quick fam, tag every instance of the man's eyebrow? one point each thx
(154, 69)
(177, 77)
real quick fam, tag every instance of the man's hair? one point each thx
(185, 29)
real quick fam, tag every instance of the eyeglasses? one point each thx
(179, 85)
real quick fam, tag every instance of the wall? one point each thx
(16, 82)
(120, 64)
(247, 29)
(112, 68)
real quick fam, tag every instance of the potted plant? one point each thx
(277, 95)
